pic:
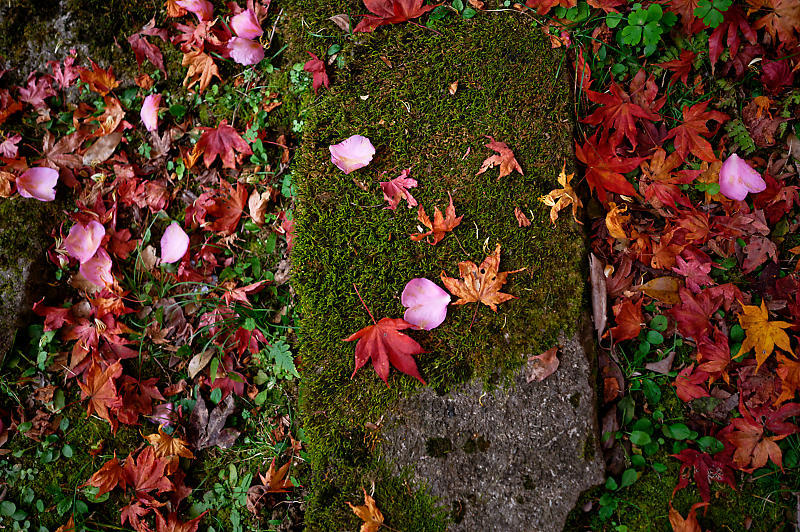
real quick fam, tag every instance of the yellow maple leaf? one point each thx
(369, 513)
(166, 445)
(762, 335)
(615, 217)
(561, 198)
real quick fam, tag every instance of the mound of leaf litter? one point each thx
(470, 125)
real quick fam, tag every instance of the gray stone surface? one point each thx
(515, 459)
(24, 236)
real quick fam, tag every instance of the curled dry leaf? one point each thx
(542, 366)
(100, 151)
(480, 284)
(599, 294)
(342, 21)
(561, 198)
(369, 513)
(522, 220)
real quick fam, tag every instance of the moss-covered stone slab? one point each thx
(394, 89)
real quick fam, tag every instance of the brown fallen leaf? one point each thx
(207, 429)
(690, 524)
(599, 294)
(369, 513)
(522, 220)
(561, 198)
(504, 158)
(480, 283)
(166, 445)
(542, 366)
(201, 69)
(665, 289)
(453, 88)
(441, 224)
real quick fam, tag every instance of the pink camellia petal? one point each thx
(97, 270)
(244, 51)
(426, 303)
(38, 183)
(202, 8)
(246, 25)
(174, 243)
(737, 178)
(352, 153)
(149, 112)
(84, 240)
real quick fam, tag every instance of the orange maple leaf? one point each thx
(782, 22)
(201, 69)
(100, 81)
(561, 198)
(504, 158)
(101, 392)
(170, 447)
(789, 372)
(690, 524)
(441, 224)
(369, 513)
(480, 283)
(68, 527)
(762, 335)
(275, 480)
(108, 477)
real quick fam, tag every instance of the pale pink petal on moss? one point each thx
(97, 270)
(84, 240)
(397, 189)
(149, 112)
(244, 51)
(174, 243)
(246, 25)
(202, 8)
(352, 153)
(426, 303)
(38, 183)
(737, 179)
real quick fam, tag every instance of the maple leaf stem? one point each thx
(475, 313)
(365, 305)
(424, 27)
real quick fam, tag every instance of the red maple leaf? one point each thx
(689, 385)
(607, 5)
(36, 91)
(173, 524)
(146, 474)
(223, 141)
(629, 320)
(100, 81)
(789, 372)
(142, 48)
(65, 73)
(137, 398)
(504, 159)
(706, 468)
(385, 345)
(680, 67)
(543, 6)
(689, 134)
(695, 272)
(316, 68)
(619, 113)
(604, 168)
(391, 12)
(753, 448)
(693, 312)
(733, 23)
(714, 356)
(100, 390)
(227, 207)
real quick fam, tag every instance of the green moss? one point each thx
(507, 89)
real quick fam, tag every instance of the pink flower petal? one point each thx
(202, 8)
(84, 240)
(174, 243)
(737, 178)
(97, 270)
(352, 153)
(246, 25)
(245, 51)
(397, 189)
(426, 303)
(149, 112)
(38, 183)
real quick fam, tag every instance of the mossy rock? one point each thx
(393, 88)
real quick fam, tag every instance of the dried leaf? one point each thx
(542, 366)
(207, 430)
(665, 289)
(480, 284)
(369, 513)
(599, 294)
